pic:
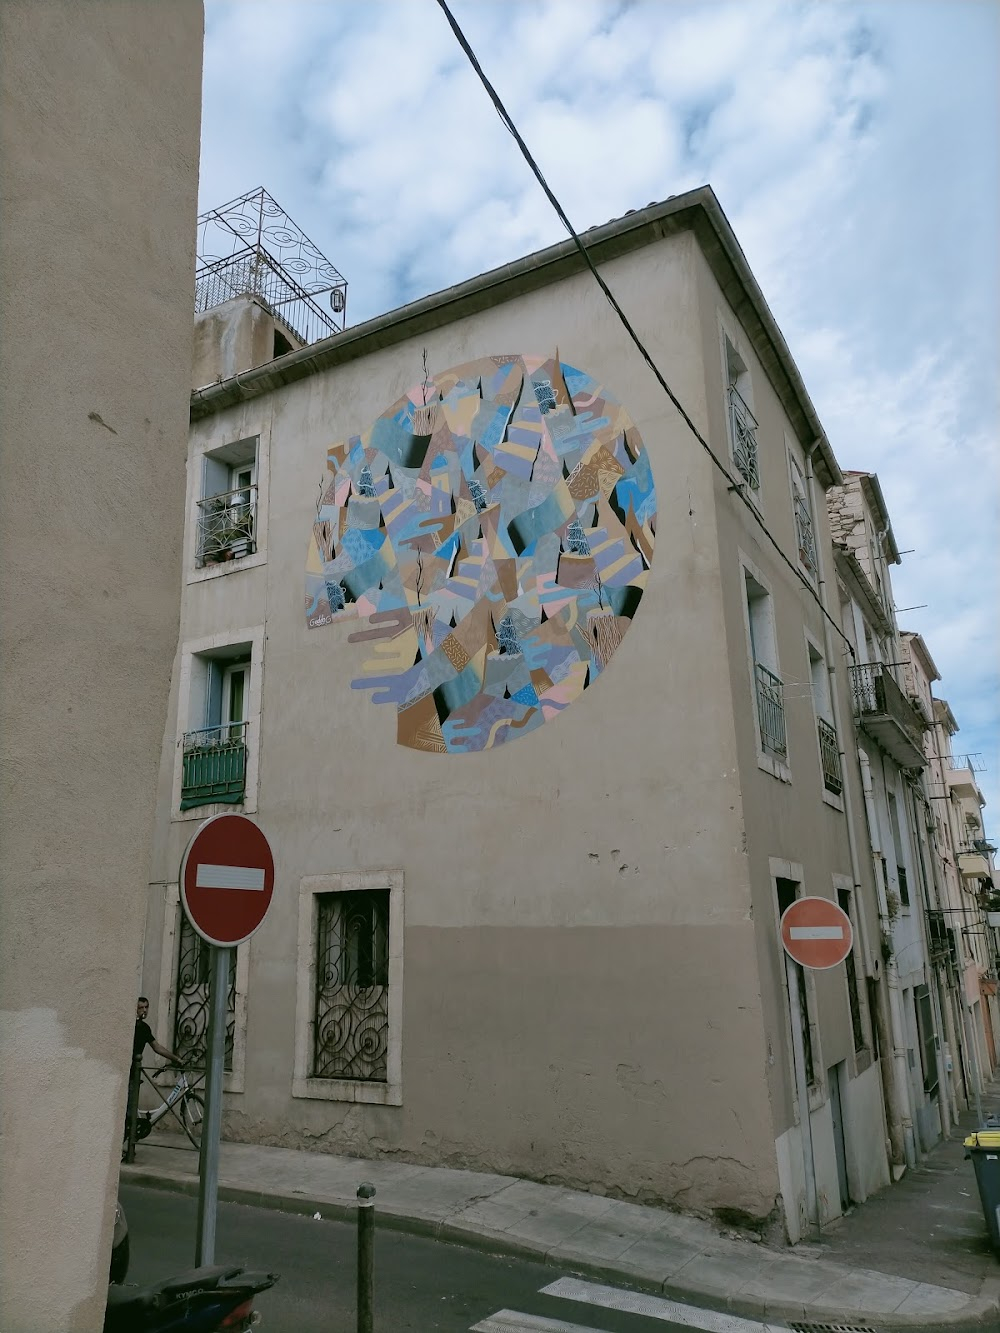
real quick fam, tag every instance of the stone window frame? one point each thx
(233, 1080)
(389, 1093)
(730, 338)
(190, 649)
(793, 871)
(216, 440)
(830, 798)
(769, 763)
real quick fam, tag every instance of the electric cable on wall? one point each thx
(625, 322)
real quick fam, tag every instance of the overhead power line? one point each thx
(626, 323)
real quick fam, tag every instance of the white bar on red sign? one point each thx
(230, 877)
(816, 932)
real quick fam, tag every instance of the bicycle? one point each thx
(192, 1109)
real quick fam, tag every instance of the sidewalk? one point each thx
(872, 1266)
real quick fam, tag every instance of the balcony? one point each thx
(884, 713)
(214, 766)
(226, 525)
(829, 753)
(743, 425)
(771, 711)
(804, 535)
(961, 778)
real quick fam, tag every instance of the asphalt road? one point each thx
(420, 1284)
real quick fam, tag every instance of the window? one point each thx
(349, 988)
(227, 507)
(897, 842)
(804, 533)
(742, 422)
(218, 723)
(215, 753)
(829, 747)
(351, 1012)
(846, 900)
(928, 1038)
(767, 683)
(787, 890)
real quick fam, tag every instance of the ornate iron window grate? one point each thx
(771, 711)
(744, 428)
(829, 751)
(214, 765)
(226, 525)
(806, 536)
(191, 999)
(351, 1016)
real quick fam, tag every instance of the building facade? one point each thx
(97, 244)
(501, 937)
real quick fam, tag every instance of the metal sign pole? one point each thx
(799, 1058)
(215, 1059)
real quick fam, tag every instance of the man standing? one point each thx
(144, 1035)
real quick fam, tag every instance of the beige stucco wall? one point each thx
(232, 338)
(789, 818)
(581, 992)
(100, 122)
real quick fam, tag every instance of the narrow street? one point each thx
(421, 1284)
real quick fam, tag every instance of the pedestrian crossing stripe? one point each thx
(654, 1307)
(625, 1302)
(510, 1321)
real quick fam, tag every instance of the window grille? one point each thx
(191, 999)
(351, 1011)
(771, 711)
(829, 752)
(214, 765)
(805, 535)
(743, 425)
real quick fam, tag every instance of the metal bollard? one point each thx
(132, 1112)
(366, 1257)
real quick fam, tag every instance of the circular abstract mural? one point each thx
(492, 530)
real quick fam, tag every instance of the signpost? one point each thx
(815, 933)
(226, 883)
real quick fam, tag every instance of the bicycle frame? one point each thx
(180, 1089)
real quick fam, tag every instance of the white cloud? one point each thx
(853, 145)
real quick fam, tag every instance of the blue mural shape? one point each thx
(493, 531)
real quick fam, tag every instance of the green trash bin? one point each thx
(984, 1149)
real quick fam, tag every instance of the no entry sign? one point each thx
(226, 879)
(816, 933)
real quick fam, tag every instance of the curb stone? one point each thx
(982, 1310)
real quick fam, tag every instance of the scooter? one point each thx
(202, 1300)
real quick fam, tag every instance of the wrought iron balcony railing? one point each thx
(805, 535)
(884, 712)
(214, 765)
(771, 711)
(829, 752)
(227, 525)
(743, 425)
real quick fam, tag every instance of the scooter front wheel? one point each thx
(192, 1116)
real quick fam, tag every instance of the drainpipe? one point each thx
(901, 1081)
(899, 1124)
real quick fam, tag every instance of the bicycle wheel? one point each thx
(193, 1114)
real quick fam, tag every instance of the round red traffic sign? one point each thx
(816, 932)
(227, 879)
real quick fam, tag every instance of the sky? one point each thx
(855, 148)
